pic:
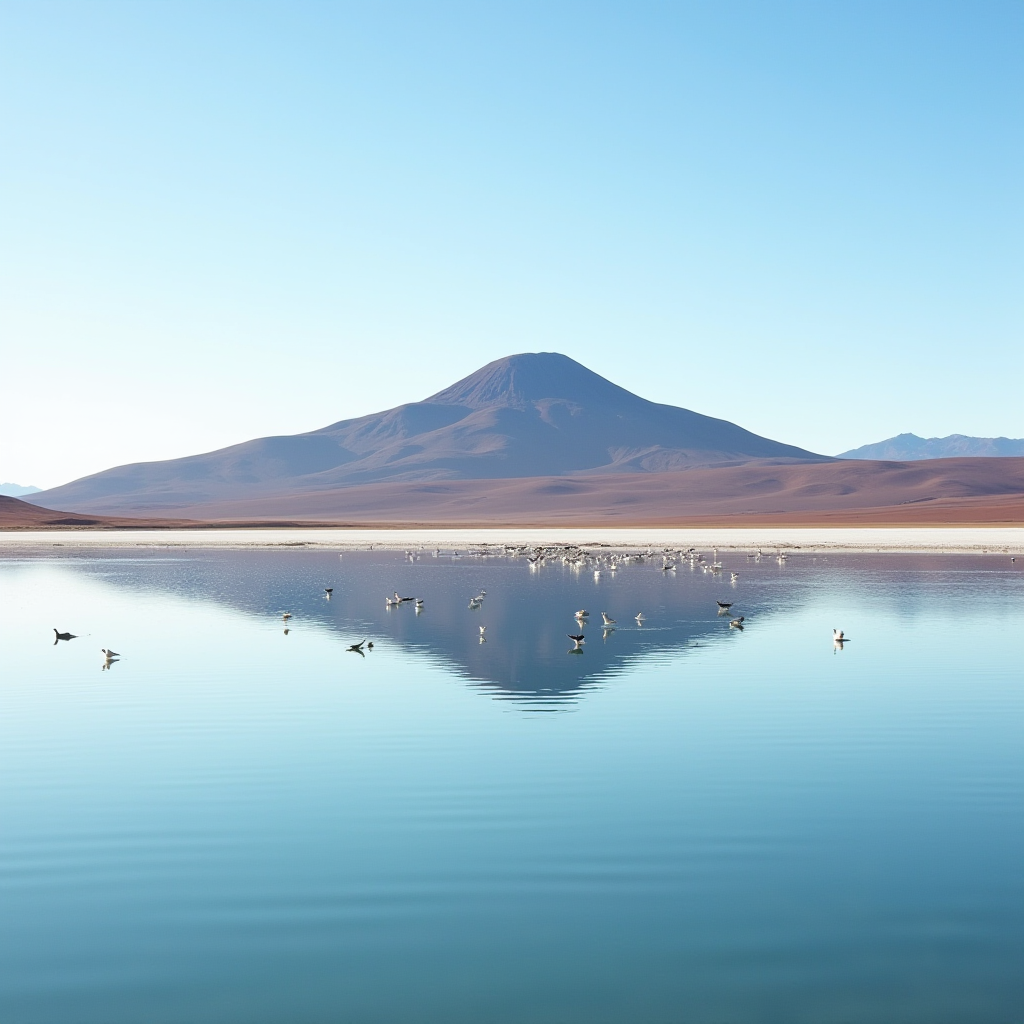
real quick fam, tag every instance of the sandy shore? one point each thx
(1008, 540)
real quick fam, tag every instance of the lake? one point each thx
(241, 820)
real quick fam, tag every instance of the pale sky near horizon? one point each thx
(222, 221)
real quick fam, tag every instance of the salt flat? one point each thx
(894, 539)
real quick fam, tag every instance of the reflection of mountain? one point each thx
(528, 614)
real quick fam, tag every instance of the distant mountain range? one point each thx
(910, 448)
(17, 490)
(529, 415)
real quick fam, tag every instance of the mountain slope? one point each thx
(528, 415)
(910, 447)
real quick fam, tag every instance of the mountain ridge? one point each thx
(526, 415)
(911, 448)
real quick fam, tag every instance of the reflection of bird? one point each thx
(577, 640)
(607, 619)
(736, 623)
(62, 636)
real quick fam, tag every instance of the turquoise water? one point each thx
(684, 822)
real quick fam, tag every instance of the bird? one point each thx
(577, 639)
(357, 648)
(286, 616)
(328, 591)
(582, 613)
(369, 646)
(839, 635)
(734, 576)
(725, 605)
(736, 623)
(109, 656)
(640, 617)
(62, 636)
(607, 619)
(483, 629)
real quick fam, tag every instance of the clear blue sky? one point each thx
(219, 221)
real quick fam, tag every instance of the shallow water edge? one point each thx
(940, 540)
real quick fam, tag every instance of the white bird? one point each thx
(483, 629)
(736, 623)
(286, 616)
(608, 620)
(582, 613)
(837, 634)
(109, 656)
(640, 617)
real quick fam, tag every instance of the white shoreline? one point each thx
(949, 540)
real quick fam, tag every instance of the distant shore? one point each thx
(972, 539)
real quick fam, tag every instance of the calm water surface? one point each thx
(684, 822)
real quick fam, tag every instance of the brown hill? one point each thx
(935, 492)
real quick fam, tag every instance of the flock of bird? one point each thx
(572, 556)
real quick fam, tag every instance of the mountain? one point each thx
(17, 490)
(910, 448)
(16, 514)
(527, 415)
